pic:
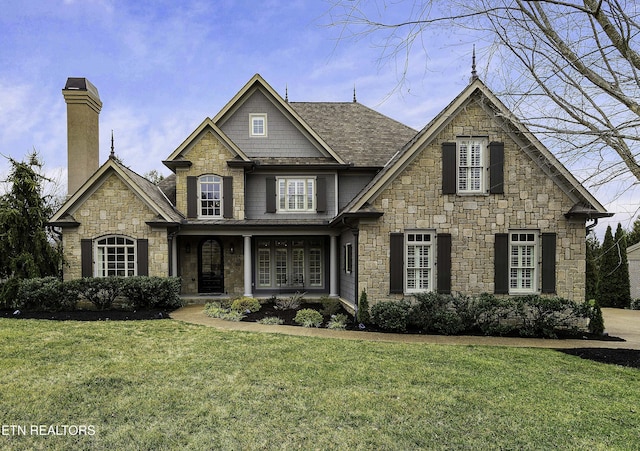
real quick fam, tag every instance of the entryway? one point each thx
(210, 266)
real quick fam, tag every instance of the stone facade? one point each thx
(414, 200)
(233, 263)
(113, 209)
(209, 156)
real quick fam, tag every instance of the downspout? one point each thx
(591, 226)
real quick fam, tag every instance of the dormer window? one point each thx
(258, 125)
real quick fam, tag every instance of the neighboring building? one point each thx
(633, 257)
(272, 196)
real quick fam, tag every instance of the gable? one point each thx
(112, 207)
(483, 111)
(283, 138)
(130, 183)
(180, 156)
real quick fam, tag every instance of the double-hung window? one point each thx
(296, 194)
(115, 257)
(419, 256)
(523, 250)
(210, 191)
(471, 165)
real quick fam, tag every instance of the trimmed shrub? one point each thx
(390, 315)
(44, 294)
(151, 292)
(308, 318)
(439, 313)
(101, 292)
(635, 304)
(246, 305)
(543, 317)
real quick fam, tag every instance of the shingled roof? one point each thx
(360, 135)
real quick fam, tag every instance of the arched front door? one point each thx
(210, 267)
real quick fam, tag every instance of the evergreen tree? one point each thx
(614, 286)
(593, 267)
(26, 249)
(608, 264)
(633, 237)
(622, 272)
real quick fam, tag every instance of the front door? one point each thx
(210, 267)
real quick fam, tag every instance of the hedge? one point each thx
(51, 294)
(526, 316)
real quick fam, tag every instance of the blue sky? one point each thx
(161, 67)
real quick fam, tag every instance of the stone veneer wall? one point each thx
(233, 264)
(414, 200)
(209, 156)
(113, 209)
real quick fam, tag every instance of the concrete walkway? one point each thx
(624, 324)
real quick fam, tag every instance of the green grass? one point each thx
(167, 385)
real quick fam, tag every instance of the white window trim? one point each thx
(348, 258)
(101, 268)
(431, 267)
(484, 146)
(287, 181)
(280, 273)
(535, 264)
(257, 116)
(200, 182)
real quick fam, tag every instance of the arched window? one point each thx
(115, 257)
(210, 196)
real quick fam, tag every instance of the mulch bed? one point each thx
(624, 357)
(88, 315)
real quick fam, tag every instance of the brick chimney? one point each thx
(83, 151)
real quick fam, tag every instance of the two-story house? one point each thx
(272, 196)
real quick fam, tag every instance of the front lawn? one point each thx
(168, 385)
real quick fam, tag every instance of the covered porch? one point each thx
(223, 263)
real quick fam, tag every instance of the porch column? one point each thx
(247, 266)
(174, 256)
(334, 266)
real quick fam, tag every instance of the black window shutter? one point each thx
(86, 257)
(192, 197)
(496, 168)
(444, 263)
(449, 168)
(271, 194)
(227, 197)
(548, 262)
(143, 257)
(396, 263)
(501, 266)
(321, 194)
